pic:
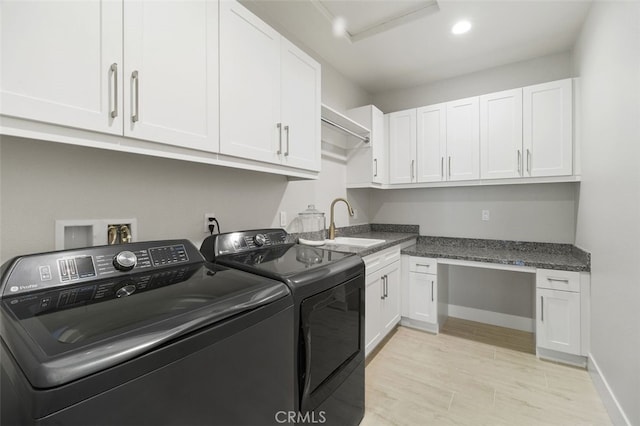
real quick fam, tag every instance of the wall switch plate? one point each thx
(283, 218)
(208, 220)
(485, 215)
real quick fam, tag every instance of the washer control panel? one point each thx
(48, 270)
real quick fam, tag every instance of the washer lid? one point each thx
(61, 335)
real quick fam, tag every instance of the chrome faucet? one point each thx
(332, 227)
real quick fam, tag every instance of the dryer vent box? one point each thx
(71, 234)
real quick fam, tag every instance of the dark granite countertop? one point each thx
(538, 255)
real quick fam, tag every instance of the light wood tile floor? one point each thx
(422, 379)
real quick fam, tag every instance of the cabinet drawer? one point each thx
(375, 261)
(423, 265)
(558, 280)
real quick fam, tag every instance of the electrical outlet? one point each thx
(283, 218)
(485, 215)
(208, 220)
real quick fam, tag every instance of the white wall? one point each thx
(608, 225)
(510, 76)
(44, 181)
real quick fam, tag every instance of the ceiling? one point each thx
(395, 44)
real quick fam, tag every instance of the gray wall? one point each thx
(44, 181)
(512, 292)
(510, 76)
(608, 226)
(542, 212)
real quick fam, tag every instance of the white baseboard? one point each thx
(493, 318)
(615, 411)
(420, 325)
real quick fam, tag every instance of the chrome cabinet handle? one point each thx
(442, 167)
(432, 290)
(412, 171)
(286, 130)
(114, 72)
(386, 286)
(136, 84)
(541, 308)
(519, 163)
(279, 126)
(375, 165)
(562, 280)
(449, 166)
(382, 287)
(529, 162)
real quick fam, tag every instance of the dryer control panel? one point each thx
(242, 241)
(35, 272)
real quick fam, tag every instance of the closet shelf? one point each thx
(343, 123)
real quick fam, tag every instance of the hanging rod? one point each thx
(344, 129)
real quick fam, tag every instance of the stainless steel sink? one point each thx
(354, 242)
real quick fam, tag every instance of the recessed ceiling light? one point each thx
(461, 27)
(339, 26)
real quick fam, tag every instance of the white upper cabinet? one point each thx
(61, 63)
(547, 125)
(368, 162)
(431, 143)
(463, 139)
(115, 67)
(250, 125)
(171, 72)
(301, 100)
(378, 146)
(402, 146)
(501, 135)
(269, 93)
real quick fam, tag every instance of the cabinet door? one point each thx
(373, 311)
(547, 124)
(423, 297)
(501, 135)
(463, 139)
(171, 72)
(368, 162)
(391, 302)
(402, 146)
(56, 63)
(558, 320)
(431, 142)
(300, 108)
(379, 163)
(250, 125)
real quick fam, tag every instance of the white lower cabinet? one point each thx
(382, 295)
(558, 320)
(558, 311)
(423, 289)
(422, 294)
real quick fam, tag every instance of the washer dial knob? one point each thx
(125, 260)
(259, 239)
